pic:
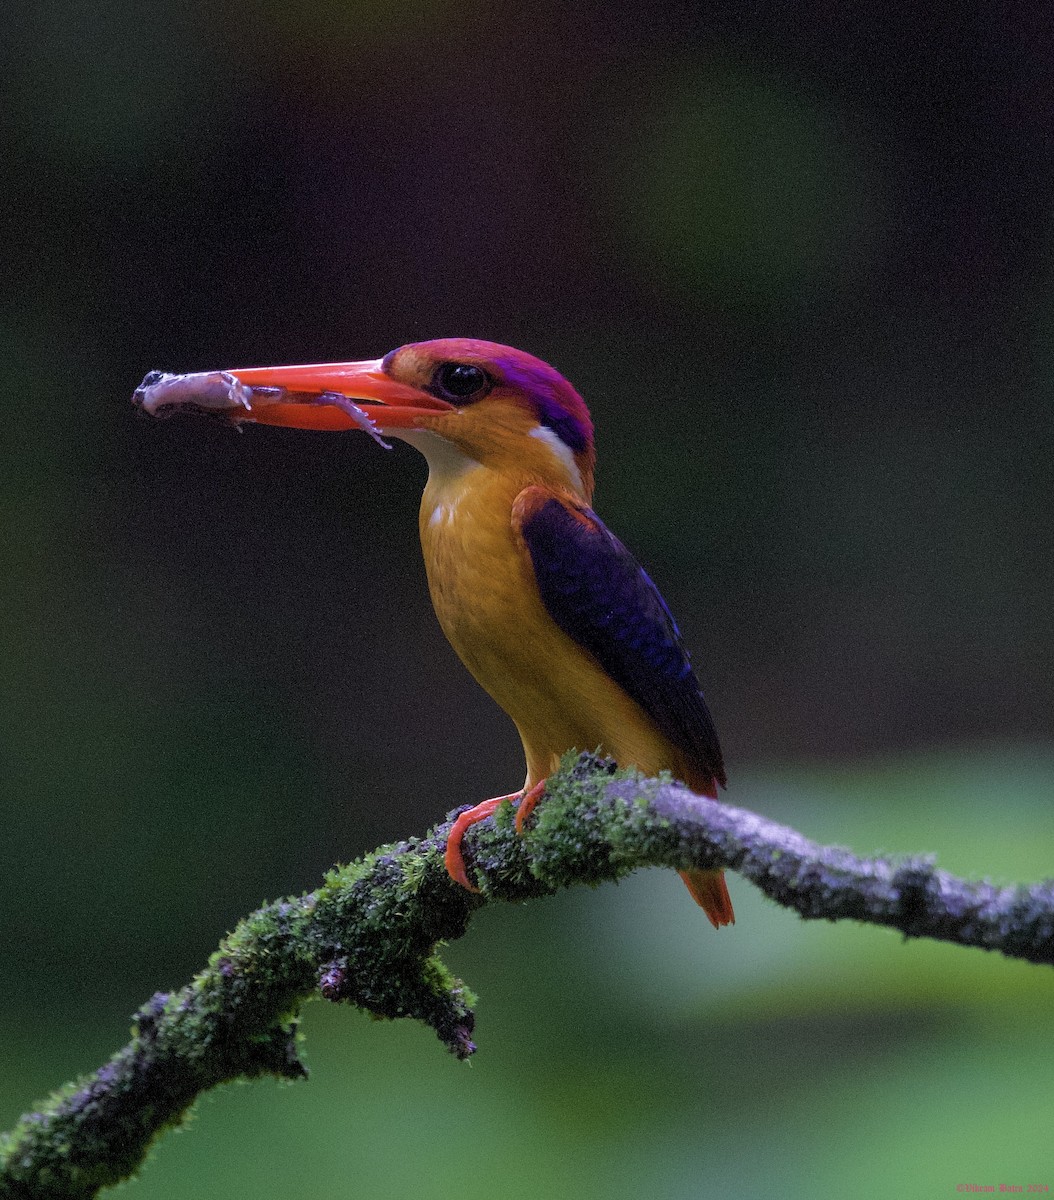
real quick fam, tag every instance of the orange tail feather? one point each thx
(710, 892)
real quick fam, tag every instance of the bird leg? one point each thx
(455, 862)
(528, 800)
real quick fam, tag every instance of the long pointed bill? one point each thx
(329, 396)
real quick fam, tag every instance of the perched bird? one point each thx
(544, 605)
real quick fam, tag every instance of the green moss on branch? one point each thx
(368, 936)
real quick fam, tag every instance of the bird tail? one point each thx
(710, 892)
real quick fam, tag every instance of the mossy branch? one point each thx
(368, 936)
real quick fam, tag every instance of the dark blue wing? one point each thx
(600, 596)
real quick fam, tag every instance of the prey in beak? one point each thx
(324, 396)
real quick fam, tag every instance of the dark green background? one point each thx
(798, 260)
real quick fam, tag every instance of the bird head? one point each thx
(488, 403)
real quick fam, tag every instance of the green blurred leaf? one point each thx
(741, 188)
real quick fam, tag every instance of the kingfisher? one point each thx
(548, 610)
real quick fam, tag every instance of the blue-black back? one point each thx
(602, 598)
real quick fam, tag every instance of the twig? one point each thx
(368, 936)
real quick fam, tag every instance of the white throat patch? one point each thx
(446, 463)
(447, 468)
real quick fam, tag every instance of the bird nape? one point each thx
(544, 605)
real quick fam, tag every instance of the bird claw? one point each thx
(528, 800)
(453, 858)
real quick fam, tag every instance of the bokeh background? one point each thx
(798, 260)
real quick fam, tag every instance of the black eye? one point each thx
(459, 381)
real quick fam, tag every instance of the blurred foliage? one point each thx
(798, 261)
(742, 190)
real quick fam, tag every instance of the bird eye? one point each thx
(460, 381)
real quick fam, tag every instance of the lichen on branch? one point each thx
(368, 937)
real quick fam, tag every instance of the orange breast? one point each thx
(483, 589)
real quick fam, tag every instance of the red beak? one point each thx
(301, 403)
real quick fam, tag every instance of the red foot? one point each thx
(528, 800)
(455, 863)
